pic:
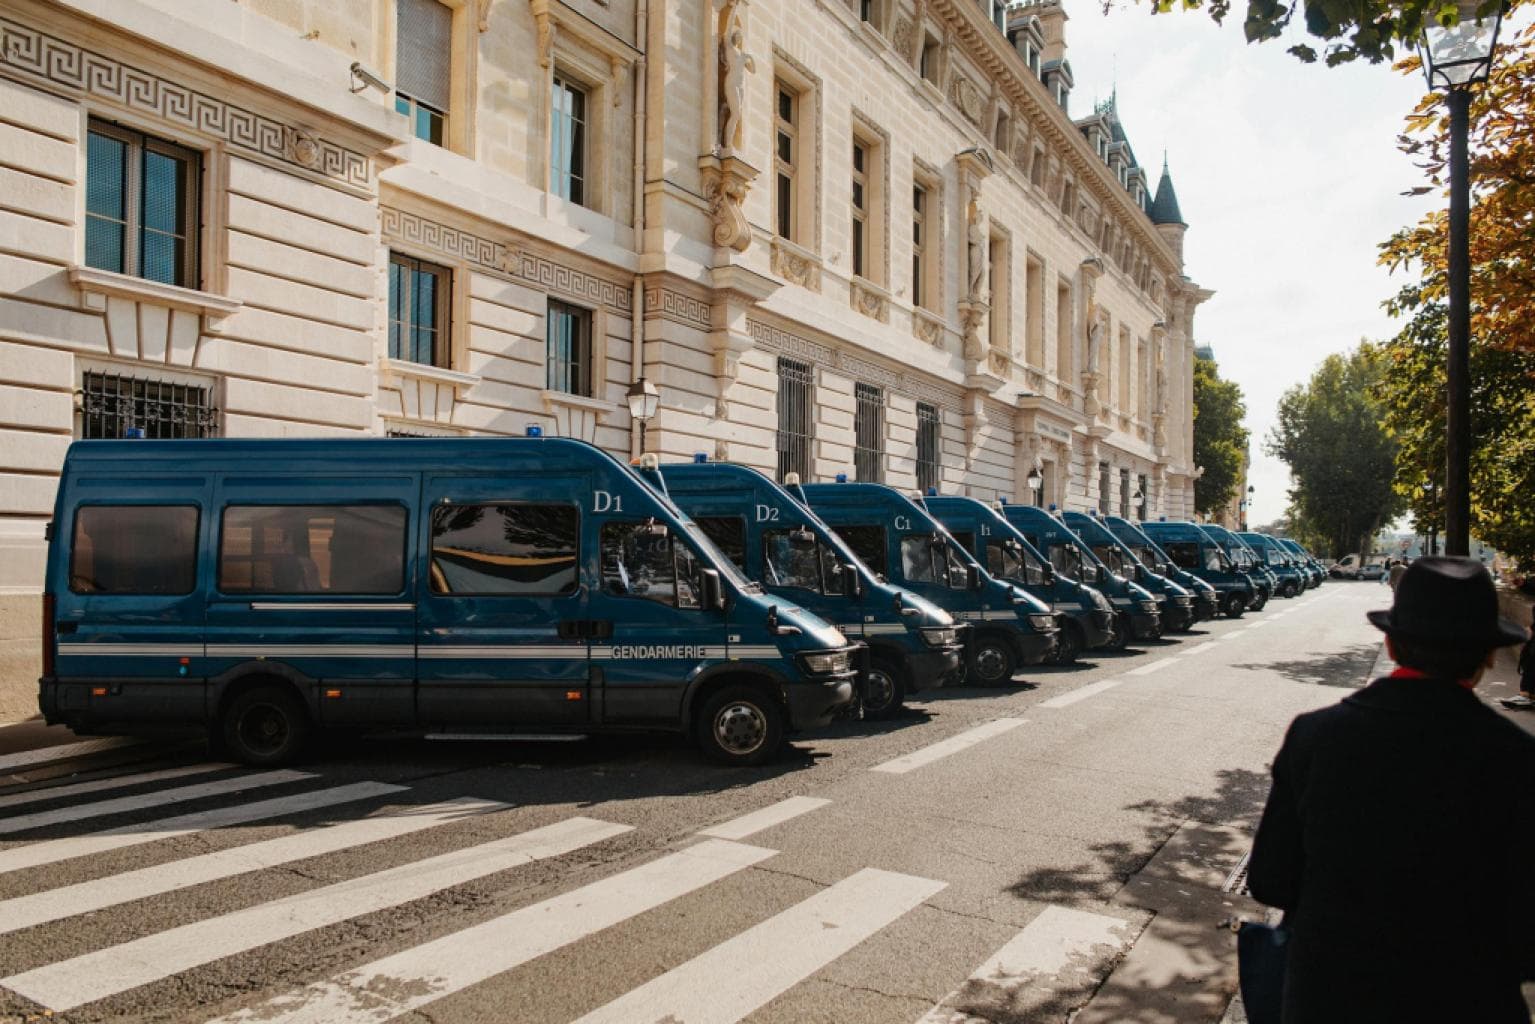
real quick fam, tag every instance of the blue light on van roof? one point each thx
(534, 430)
(932, 492)
(841, 478)
(133, 433)
(700, 456)
(1161, 519)
(1052, 506)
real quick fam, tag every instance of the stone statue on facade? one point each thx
(735, 65)
(726, 177)
(975, 233)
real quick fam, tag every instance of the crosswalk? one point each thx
(78, 824)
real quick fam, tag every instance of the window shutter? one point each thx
(424, 50)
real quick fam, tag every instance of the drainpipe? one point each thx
(637, 302)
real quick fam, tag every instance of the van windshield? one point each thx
(1111, 556)
(1146, 555)
(926, 558)
(1010, 560)
(1067, 560)
(718, 560)
(806, 562)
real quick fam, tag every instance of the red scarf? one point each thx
(1412, 673)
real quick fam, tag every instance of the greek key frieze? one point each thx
(666, 304)
(62, 63)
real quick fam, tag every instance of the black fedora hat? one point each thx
(1447, 602)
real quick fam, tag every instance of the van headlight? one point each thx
(1043, 623)
(826, 663)
(939, 636)
(1148, 607)
(1183, 600)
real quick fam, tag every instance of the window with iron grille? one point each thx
(794, 412)
(111, 404)
(141, 206)
(869, 433)
(569, 345)
(1104, 483)
(927, 446)
(423, 60)
(568, 140)
(1124, 494)
(418, 311)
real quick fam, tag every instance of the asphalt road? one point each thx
(996, 856)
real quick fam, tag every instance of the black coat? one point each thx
(1399, 838)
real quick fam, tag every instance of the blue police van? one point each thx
(1194, 550)
(1206, 601)
(1278, 561)
(1246, 560)
(773, 539)
(1312, 563)
(1084, 616)
(267, 589)
(1135, 610)
(1174, 603)
(901, 542)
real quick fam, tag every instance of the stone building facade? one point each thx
(839, 236)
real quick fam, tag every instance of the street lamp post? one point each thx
(1457, 55)
(1035, 482)
(643, 399)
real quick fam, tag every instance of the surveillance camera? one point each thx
(363, 77)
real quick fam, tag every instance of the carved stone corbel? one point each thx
(482, 15)
(726, 181)
(547, 29)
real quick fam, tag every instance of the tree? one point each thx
(1220, 440)
(1370, 30)
(1342, 459)
(1502, 163)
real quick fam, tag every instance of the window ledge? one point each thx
(99, 284)
(565, 398)
(421, 371)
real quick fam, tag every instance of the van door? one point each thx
(130, 622)
(314, 574)
(503, 626)
(655, 632)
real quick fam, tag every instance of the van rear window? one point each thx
(504, 548)
(134, 549)
(312, 549)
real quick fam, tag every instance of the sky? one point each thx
(1288, 176)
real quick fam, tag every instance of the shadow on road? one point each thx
(1346, 668)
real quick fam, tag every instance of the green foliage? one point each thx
(1220, 440)
(1332, 433)
(1412, 392)
(1349, 30)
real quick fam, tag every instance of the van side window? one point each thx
(787, 562)
(1067, 560)
(1185, 554)
(642, 560)
(312, 549)
(925, 558)
(728, 534)
(134, 549)
(505, 548)
(868, 543)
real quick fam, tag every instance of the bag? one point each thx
(1262, 953)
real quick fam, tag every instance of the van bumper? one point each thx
(1145, 627)
(1098, 626)
(1034, 648)
(931, 668)
(814, 704)
(1177, 617)
(1204, 609)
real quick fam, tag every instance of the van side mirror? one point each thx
(1141, 573)
(775, 628)
(1163, 569)
(1050, 574)
(852, 580)
(1089, 574)
(801, 539)
(714, 591)
(654, 529)
(972, 577)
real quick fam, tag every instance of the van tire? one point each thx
(994, 661)
(1119, 635)
(1069, 644)
(1289, 589)
(885, 690)
(265, 725)
(1234, 604)
(740, 725)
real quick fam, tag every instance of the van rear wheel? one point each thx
(884, 691)
(740, 725)
(265, 725)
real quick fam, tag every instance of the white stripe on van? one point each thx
(90, 650)
(444, 653)
(311, 650)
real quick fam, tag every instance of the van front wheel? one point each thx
(740, 725)
(1234, 605)
(884, 691)
(265, 725)
(994, 661)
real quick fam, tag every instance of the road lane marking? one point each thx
(784, 950)
(87, 897)
(52, 851)
(37, 796)
(158, 798)
(1090, 690)
(1055, 940)
(1155, 666)
(953, 745)
(64, 751)
(1260, 625)
(766, 818)
(91, 976)
(1202, 648)
(412, 978)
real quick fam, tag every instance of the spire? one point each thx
(1164, 208)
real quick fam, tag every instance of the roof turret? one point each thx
(1164, 208)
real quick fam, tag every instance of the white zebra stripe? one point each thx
(158, 798)
(36, 796)
(70, 983)
(410, 979)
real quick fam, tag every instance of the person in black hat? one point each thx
(1397, 833)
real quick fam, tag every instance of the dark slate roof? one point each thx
(1164, 208)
